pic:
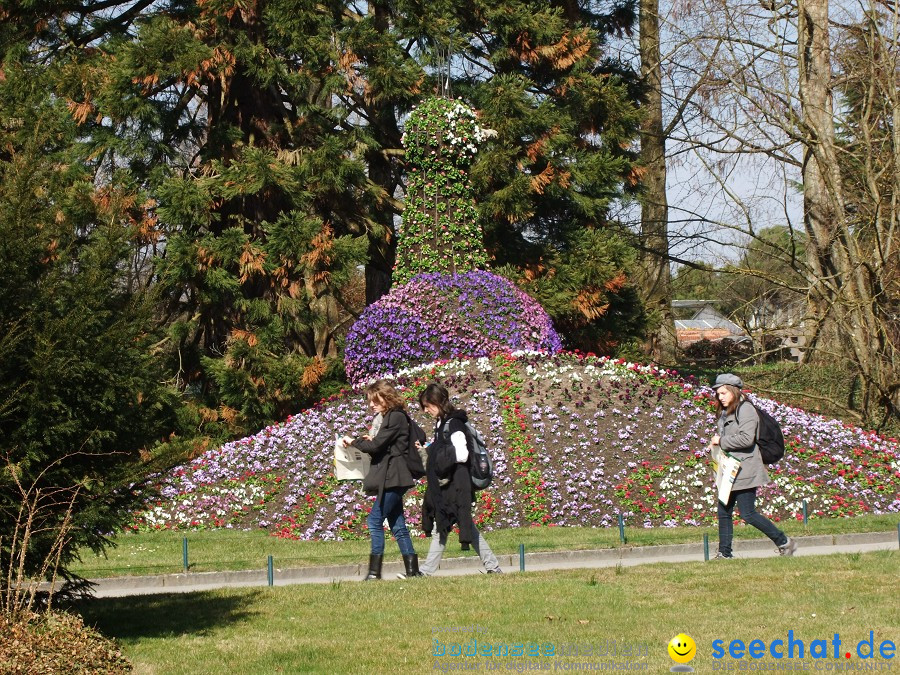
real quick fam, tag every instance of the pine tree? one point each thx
(263, 203)
(566, 117)
(79, 388)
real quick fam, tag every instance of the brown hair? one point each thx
(736, 399)
(437, 394)
(383, 392)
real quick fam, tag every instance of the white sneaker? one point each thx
(789, 548)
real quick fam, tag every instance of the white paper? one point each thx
(726, 468)
(350, 463)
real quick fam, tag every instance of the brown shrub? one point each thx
(54, 643)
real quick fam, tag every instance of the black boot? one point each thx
(374, 567)
(411, 563)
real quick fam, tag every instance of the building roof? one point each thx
(708, 324)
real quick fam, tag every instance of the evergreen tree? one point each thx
(263, 202)
(566, 117)
(79, 388)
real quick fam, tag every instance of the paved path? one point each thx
(626, 556)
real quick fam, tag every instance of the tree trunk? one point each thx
(842, 290)
(655, 273)
(385, 128)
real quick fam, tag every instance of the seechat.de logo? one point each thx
(796, 648)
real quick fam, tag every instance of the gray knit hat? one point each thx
(728, 378)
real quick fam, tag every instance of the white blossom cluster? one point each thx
(453, 366)
(790, 497)
(682, 480)
(462, 131)
(443, 369)
(471, 135)
(548, 371)
(181, 513)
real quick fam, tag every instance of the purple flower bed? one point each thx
(437, 315)
(607, 438)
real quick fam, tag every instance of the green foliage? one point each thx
(80, 389)
(256, 147)
(765, 282)
(697, 283)
(586, 291)
(562, 112)
(768, 277)
(565, 117)
(265, 230)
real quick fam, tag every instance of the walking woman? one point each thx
(388, 477)
(449, 495)
(738, 426)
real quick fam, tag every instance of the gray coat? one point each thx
(737, 436)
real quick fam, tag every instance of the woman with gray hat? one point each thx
(738, 427)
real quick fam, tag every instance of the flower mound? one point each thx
(576, 441)
(438, 316)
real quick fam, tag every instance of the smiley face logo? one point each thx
(682, 648)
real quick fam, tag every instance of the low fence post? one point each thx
(184, 554)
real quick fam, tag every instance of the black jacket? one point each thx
(388, 468)
(450, 504)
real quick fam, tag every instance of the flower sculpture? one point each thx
(445, 315)
(575, 439)
(440, 232)
(442, 305)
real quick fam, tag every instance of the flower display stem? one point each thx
(529, 481)
(440, 230)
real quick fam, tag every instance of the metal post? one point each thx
(898, 535)
(705, 547)
(521, 557)
(805, 513)
(271, 573)
(184, 554)
(621, 528)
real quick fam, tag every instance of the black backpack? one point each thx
(413, 457)
(769, 437)
(481, 469)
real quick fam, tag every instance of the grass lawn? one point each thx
(392, 626)
(219, 550)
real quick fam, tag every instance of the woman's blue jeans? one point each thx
(746, 502)
(389, 506)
